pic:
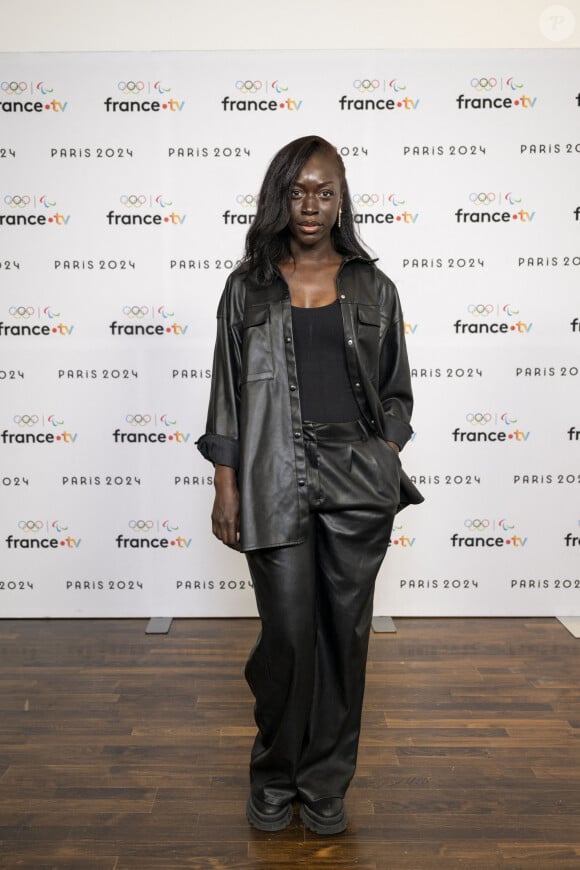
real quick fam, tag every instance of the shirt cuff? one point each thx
(397, 430)
(220, 450)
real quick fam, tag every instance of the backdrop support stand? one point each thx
(159, 625)
(383, 625)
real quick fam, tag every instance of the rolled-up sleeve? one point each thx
(220, 444)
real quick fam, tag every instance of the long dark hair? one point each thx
(268, 239)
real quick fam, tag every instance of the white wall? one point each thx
(146, 25)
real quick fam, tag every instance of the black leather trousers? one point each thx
(315, 599)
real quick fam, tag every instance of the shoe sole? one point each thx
(268, 823)
(319, 825)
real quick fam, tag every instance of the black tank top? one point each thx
(326, 395)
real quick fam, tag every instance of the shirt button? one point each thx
(301, 482)
(288, 339)
(342, 296)
(349, 341)
(292, 386)
(357, 384)
(373, 422)
(297, 434)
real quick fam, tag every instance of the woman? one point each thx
(310, 405)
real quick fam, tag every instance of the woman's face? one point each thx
(315, 198)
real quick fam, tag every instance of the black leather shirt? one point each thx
(254, 418)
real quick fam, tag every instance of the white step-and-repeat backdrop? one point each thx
(127, 183)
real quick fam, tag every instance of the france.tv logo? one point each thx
(400, 539)
(32, 320)
(17, 97)
(148, 320)
(141, 209)
(489, 426)
(383, 208)
(32, 428)
(141, 95)
(487, 207)
(247, 202)
(488, 318)
(150, 428)
(482, 532)
(151, 534)
(496, 92)
(42, 535)
(26, 209)
(261, 95)
(395, 96)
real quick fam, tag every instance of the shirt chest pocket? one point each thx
(257, 363)
(368, 331)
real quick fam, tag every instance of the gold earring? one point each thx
(339, 218)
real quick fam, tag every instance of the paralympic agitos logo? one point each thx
(42, 535)
(139, 95)
(379, 95)
(30, 210)
(17, 97)
(489, 426)
(496, 92)
(261, 95)
(489, 318)
(142, 209)
(33, 320)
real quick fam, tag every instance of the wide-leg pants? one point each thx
(315, 599)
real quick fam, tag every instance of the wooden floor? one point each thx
(122, 751)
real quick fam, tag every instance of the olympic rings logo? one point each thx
(138, 419)
(478, 419)
(166, 421)
(141, 525)
(365, 198)
(26, 419)
(246, 200)
(133, 200)
(483, 83)
(17, 201)
(480, 310)
(482, 198)
(473, 525)
(14, 88)
(135, 310)
(21, 311)
(248, 86)
(30, 525)
(366, 86)
(131, 87)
